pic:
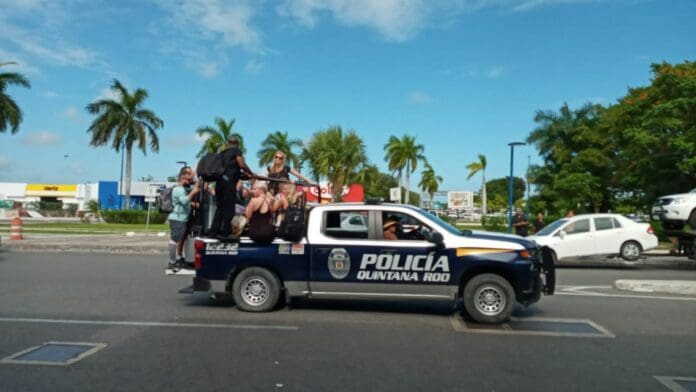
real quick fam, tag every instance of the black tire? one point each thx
(489, 298)
(256, 289)
(630, 251)
(692, 220)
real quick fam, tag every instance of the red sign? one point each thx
(353, 193)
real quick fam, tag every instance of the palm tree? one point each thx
(216, 138)
(430, 182)
(279, 141)
(124, 123)
(475, 167)
(404, 154)
(336, 155)
(10, 113)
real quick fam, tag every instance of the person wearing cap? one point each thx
(226, 189)
(390, 228)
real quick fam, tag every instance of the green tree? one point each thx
(337, 155)
(501, 187)
(403, 155)
(10, 113)
(654, 130)
(474, 168)
(124, 123)
(376, 183)
(216, 137)
(578, 158)
(279, 141)
(430, 182)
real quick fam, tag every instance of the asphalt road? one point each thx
(157, 339)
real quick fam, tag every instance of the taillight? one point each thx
(650, 230)
(197, 261)
(524, 254)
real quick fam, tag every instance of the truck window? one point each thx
(407, 226)
(346, 224)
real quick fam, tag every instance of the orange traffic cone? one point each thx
(16, 229)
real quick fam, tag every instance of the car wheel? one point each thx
(256, 290)
(489, 298)
(630, 251)
(692, 220)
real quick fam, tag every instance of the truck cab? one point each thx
(344, 253)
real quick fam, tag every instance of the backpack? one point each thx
(164, 202)
(210, 167)
(293, 226)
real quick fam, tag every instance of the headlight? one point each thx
(679, 200)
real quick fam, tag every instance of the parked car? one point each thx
(597, 235)
(676, 210)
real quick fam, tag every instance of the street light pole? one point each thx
(120, 183)
(510, 181)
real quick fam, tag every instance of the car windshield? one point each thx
(552, 227)
(440, 222)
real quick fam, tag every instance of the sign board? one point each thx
(52, 190)
(351, 193)
(395, 194)
(152, 191)
(8, 204)
(459, 200)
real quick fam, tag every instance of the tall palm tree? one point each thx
(404, 154)
(216, 137)
(430, 182)
(10, 113)
(475, 167)
(337, 155)
(279, 141)
(124, 123)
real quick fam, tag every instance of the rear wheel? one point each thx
(489, 298)
(256, 290)
(630, 251)
(692, 220)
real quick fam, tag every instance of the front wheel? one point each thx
(630, 251)
(489, 298)
(692, 219)
(256, 290)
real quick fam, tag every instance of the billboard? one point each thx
(459, 200)
(352, 193)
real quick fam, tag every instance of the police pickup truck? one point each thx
(344, 254)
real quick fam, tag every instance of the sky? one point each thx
(464, 76)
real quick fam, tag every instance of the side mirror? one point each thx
(436, 238)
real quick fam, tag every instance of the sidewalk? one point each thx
(140, 243)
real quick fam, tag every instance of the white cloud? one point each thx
(419, 98)
(4, 163)
(494, 72)
(212, 20)
(43, 138)
(72, 114)
(395, 20)
(253, 66)
(527, 5)
(108, 93)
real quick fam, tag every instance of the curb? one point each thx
(679, 287)
(82, 249)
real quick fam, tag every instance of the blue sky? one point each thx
(464, 76)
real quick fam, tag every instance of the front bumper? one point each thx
(666, 213)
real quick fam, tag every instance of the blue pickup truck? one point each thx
(344, 253)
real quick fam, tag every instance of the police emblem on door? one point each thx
(339, 263)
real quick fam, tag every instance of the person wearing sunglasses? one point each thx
(280, 170)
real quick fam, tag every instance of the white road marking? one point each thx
(12, 359)
(147, 324)
(583, 291)
(672, 382)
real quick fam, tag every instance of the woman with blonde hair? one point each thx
(284, 199)
(259, 214)
(279, 170)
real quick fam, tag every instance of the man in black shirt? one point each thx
(226, 189)
(519, 221)
(539, 223)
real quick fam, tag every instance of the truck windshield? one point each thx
(442, 223)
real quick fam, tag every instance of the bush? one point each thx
(494, 223)
(132, 216)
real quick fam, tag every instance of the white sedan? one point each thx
(597, 235)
